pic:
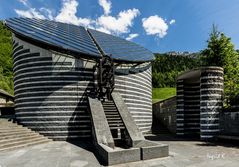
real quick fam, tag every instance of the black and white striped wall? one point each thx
(180, 108)
(199, 101)
(135, 86)
(51, 89)
(211, 94)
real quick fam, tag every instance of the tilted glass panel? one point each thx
(119, 48)
(74, 38)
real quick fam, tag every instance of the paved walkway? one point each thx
(182, 154)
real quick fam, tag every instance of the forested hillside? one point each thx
(167, 67)
(6, 74)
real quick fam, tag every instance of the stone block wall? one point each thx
(164, 114)
(229, 123)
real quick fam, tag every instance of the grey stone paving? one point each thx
(182, 154)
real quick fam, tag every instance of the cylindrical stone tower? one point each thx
(199, 102)
(211, 94)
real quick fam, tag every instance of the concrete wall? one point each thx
(229, 123)
(6, 106)
(3, 99)
(51, 91)
(164, 114)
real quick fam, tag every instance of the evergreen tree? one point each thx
(220, 52)
(166, 68)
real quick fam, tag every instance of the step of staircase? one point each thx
(16, 139)
(18, 145)
(10, 130)
(18, 135)
(15, 133)
(107, 109)
(113, 119)
(111, 113)
(13, 136)
(117, 127)
(2, 127)
(116, 123)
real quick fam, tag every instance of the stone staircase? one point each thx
(13, 136)
(114, 120)
(116, 137)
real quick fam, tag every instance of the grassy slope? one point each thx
(162, 93)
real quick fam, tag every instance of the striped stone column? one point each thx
(210, 101)
(180, 108)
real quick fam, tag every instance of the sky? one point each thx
(158, 25)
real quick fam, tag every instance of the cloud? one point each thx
(155, 25)
(117, 25)
(31, 13)
(106, 4)
(172, 21)
(132, 36)
(42, 13)
(24, 2)
(120, 24)
(102, 29)
(47, 12)
(68, 14)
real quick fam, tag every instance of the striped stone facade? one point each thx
(192, 108)
(51, 92)
(180, 108)
(199, 101)
(134, 84)
(211, 94)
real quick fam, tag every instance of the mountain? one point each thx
(167, 66)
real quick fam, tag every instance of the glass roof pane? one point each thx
(119, 48)
(41, 31)
(78, 39)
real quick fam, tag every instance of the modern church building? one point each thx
(56, 68)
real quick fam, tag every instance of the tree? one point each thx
(166, 68)
(6, 73)
(220, 52)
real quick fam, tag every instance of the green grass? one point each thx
(162, 93)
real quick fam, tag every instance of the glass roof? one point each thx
(78, 39)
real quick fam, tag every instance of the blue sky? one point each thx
(159, 25)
